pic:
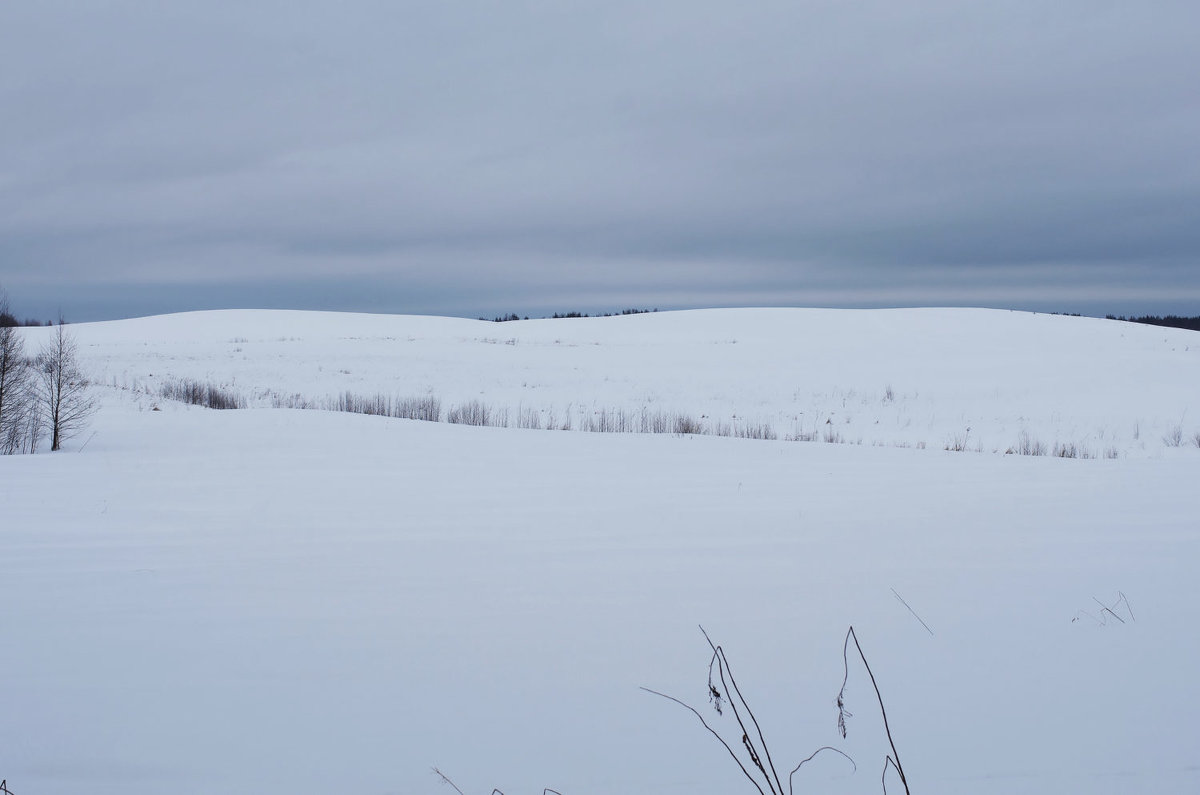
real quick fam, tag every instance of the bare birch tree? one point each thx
(18, 420)
(62, 389)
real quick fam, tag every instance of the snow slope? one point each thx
(277, 601)
(980, 378)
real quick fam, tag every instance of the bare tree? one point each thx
(18, 420)
(62, 389)
(7, 320)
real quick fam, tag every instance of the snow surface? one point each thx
(980, 377)
(278, 601)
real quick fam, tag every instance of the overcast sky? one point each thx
(477, 158)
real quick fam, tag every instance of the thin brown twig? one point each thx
(813, 756)
(914, 612)
(745, 740)
(1128, 607)
(711, 731)
(747, 743)
(894, 757)
(719, 663)
(722, 669)
(1106, 609)
(446, 780)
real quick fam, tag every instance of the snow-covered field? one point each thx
(978, 379)
(285, 601)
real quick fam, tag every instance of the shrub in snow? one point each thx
(688, 425)
(1174, 436)
(1027, 445)
(471, 413)
(197, 393)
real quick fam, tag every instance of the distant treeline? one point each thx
(557, 315)
(8, 320)
(1172, 321)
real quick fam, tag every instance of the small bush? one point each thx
(1027, 445)
(473, 412)
(197, 393)
(377, 405)
(801, 435)
(608, 421)
(530, 419)
(293, 401)
(761, 431)
(1069, 450)
(1174, 436)
(656, 422)
(426, 408)
(688, 425)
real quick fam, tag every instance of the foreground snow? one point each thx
(277, 601)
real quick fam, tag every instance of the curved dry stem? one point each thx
(813, 756)
(894, 758)
(711, 731)
(722, 669)
(1125, 599)
(883, 778)
(446, 780)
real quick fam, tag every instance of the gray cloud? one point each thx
(477, 158)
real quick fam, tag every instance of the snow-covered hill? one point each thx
(983, 380)
(283, 601)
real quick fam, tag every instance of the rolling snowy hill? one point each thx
(983, 380)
